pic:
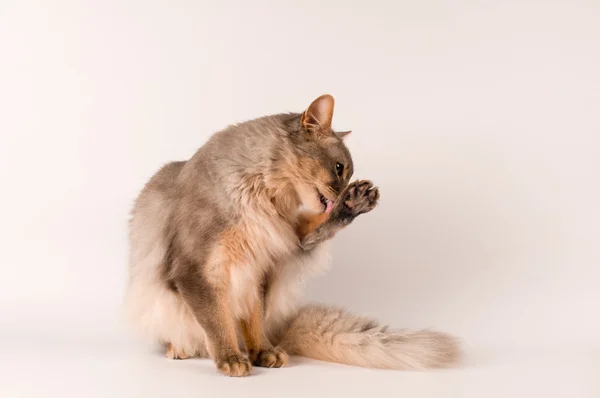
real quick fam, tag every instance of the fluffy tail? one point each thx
(334, 335)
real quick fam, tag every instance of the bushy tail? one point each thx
(334, 335)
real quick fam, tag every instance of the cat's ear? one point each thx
(319, 114)
(343, 134)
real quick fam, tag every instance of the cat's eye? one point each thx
(339, 169)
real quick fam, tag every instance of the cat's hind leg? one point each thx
(176, 353)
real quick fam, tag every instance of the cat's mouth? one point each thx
(327, 203)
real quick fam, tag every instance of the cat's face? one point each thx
(325, 164)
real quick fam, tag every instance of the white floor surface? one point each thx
(32, 367)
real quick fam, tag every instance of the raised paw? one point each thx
(359, 197)
(234, 365)
(269, 358)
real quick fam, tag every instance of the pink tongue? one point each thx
(329, 206)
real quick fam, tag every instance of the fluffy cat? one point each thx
(221, 244)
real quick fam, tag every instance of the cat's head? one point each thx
(324, 162)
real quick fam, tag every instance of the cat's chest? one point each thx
(254, 248)
(268, 239)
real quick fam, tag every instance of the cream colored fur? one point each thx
(157, 314)
(232, 212)
(161, 316)
(331, 334)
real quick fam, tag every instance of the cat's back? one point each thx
(151, 210)
(240, 149)
(159, 190)
(220, 185)
(163, 181)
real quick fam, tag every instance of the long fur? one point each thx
(215, 243)
(332, 334)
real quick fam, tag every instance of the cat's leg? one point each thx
(208, 300)
(260, 350)
(175, 353)
(358, 198)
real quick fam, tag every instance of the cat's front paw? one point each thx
(269, 358)
(234, 365)
(358, 198)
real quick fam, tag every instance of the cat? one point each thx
(221, 244)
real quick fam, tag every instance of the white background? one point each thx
(480, 122)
